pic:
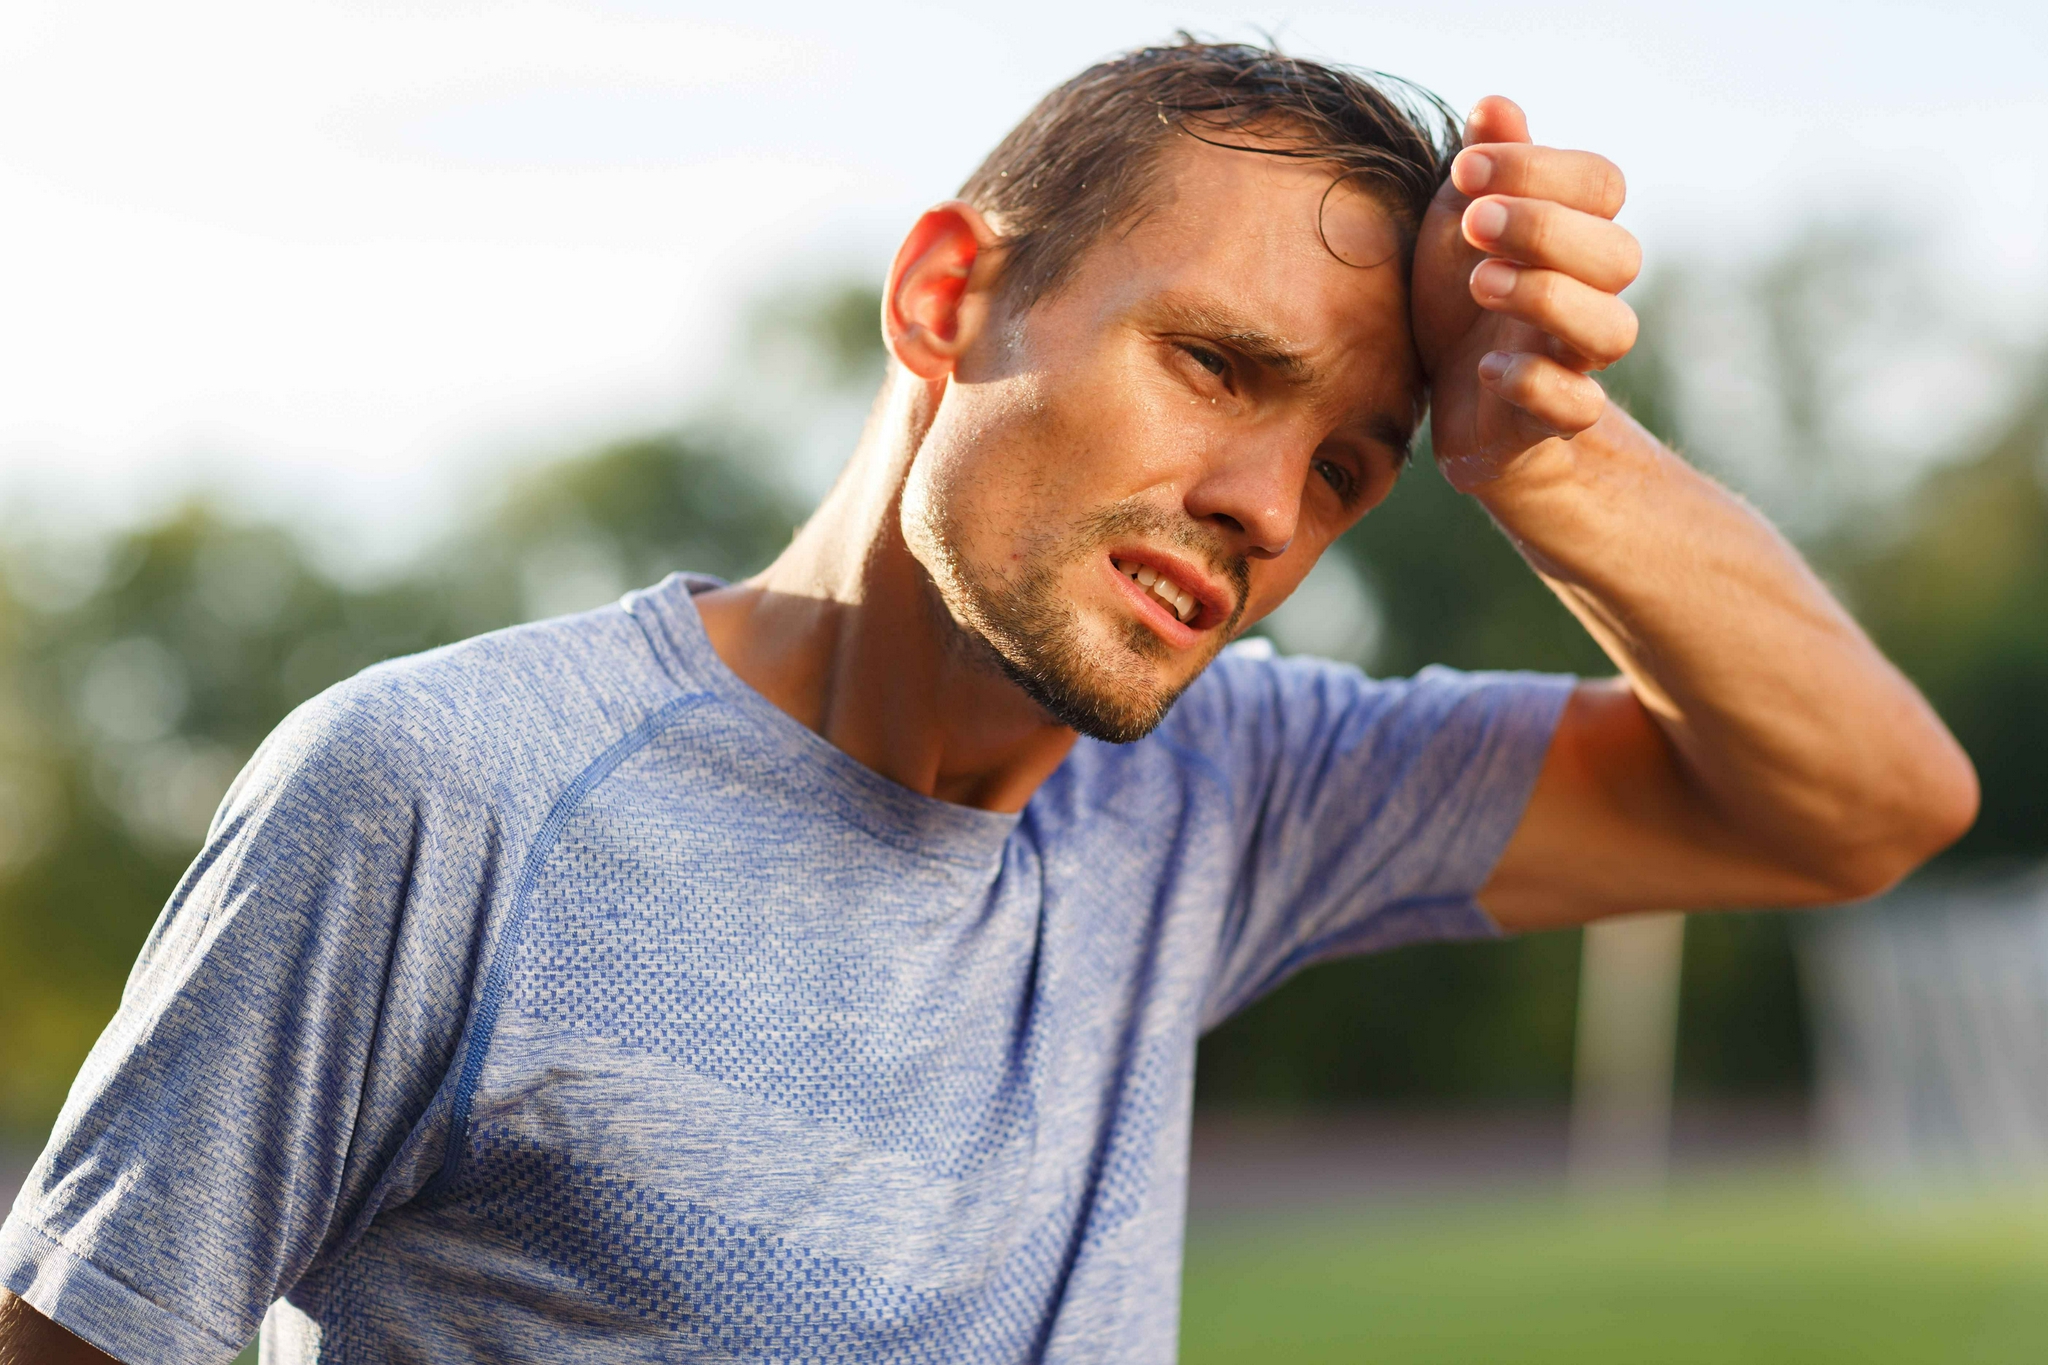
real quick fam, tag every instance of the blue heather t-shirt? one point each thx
(554, 997)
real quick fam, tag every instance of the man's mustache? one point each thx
(1136, 518)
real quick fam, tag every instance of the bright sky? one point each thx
(322, 255)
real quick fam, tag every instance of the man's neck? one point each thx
(845, 633)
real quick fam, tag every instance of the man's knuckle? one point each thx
(1609, 337)
(1583, 401)
(1631, 265)
(1628, 328)
(1611, 186)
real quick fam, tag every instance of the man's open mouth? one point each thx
(1177, 599)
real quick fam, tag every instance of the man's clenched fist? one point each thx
(1518, 272)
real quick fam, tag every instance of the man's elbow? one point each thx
(1934, 806)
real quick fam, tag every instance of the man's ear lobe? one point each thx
(937, 299)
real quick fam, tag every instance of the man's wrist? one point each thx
(1615, 446)
(1554, 498)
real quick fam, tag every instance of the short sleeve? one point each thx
(1370, 811)
(267, 1080)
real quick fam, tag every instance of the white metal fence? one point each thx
(1930, 1014)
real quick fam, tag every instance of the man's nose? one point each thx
(1254, 494)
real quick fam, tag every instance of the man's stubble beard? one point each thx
(1026, 629)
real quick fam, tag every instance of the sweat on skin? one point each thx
(812, 966)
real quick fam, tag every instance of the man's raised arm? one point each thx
(1758, 749)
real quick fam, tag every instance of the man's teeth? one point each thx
(1182, 602)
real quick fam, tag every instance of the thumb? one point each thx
(1496, 119)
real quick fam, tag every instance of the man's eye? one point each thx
(1338, 477)
(1208, 360)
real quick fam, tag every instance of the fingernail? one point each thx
(1495, 279)
(1475, 172)
(1493, 365)
(1487, 219)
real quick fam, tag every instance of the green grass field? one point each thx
(1755, 1273)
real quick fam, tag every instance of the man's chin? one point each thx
(1118, 705)
(1112, 720)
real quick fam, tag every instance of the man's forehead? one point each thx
(1218, 198)
(1272, 248)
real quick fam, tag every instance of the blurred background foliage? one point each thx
(138, 670)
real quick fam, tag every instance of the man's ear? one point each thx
(938, 297)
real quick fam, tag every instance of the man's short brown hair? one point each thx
(1083, 161)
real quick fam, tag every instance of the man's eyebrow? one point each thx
(1389, 432)
(1260, 347)
(1270, 352)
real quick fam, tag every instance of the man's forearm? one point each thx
(1789, 727)
(29, 1338)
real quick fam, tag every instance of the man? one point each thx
(811, 967)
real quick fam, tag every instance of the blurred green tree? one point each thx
(577, 534)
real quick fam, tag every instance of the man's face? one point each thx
(1122, 479)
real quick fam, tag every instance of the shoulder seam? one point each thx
(666, 657)
(496, 983)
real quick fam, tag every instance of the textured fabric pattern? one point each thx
(553, 997)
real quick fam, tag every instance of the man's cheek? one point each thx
(1100, 442)
(1266, 594)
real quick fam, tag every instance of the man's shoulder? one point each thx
(1249, 680)
(1252, 705)
(518, 705)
